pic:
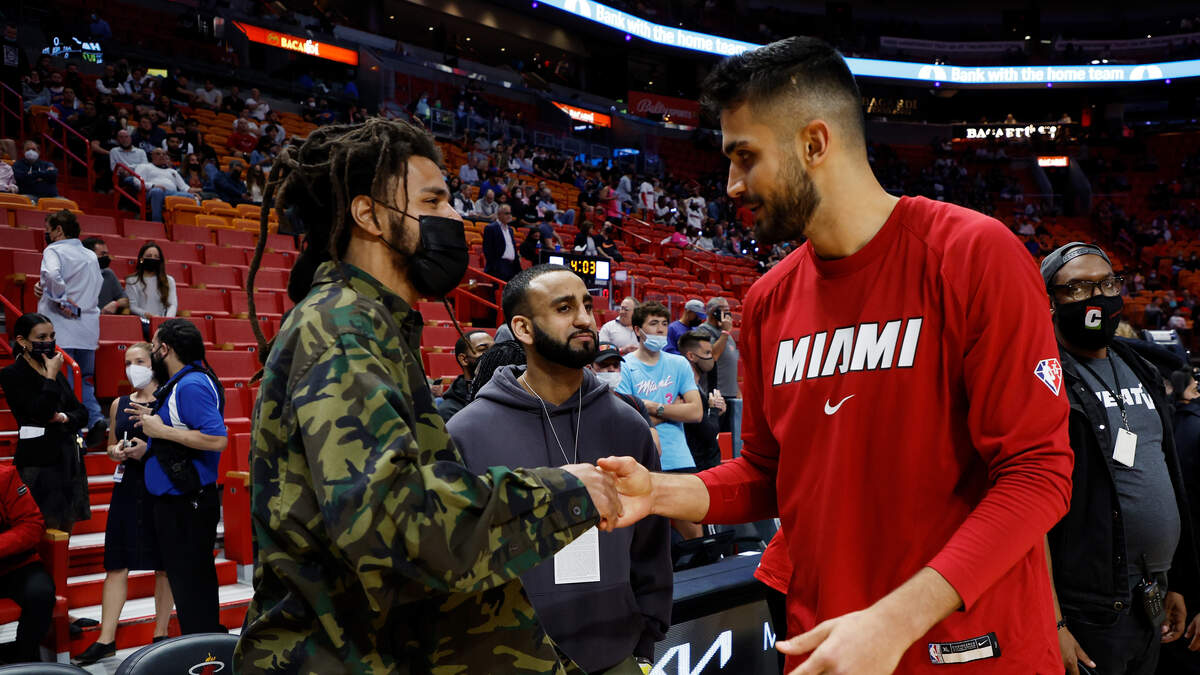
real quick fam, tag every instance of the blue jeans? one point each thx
(735, 423)
(157, 196)
(565, 217)
(86, 358)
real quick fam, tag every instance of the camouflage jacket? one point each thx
(376, 550)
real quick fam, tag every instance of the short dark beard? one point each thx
(562, 353)
(786, 216)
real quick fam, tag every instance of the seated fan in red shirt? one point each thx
(903, 406)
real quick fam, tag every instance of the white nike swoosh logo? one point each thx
(829, 410)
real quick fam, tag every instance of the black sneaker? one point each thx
(98, 650)
(160, 638)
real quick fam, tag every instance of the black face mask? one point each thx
(150, 264)
(1089, 324)
(441, 258)
(43, 349)
(158, 364)
(104, 261)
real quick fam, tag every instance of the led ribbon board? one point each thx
(321, 50)
(997, 76)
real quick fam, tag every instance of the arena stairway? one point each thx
(85, 566)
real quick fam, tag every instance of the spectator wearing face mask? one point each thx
(665, 384)
(112, 298)
(467, 352)
(555, 412)
(69, 287)
(130, 540)
(701, 436)
(694, 314)
(607, 368)
(49, 419)
(151, 290)
(36, 178)
(1126, 544)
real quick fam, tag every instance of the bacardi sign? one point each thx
(292, 43)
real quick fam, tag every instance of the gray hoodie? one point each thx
(597, 624)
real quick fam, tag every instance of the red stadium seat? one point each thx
(203, 325)
(234, 334)
(433, 312)
(31, 218)
(266, 304)
(191, 234)
(204, 303)
(440, 338)
(220, 255)
(281, 261)
(271, 280)
(235, 238)
(440, 364)
(176, 252)
(119, 247)
(92, 225)
(281, 243)
(233, 368)
(21, 239)
(117, 332)
(213, 276)
(145, 229)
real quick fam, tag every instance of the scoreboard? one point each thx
(594, 271)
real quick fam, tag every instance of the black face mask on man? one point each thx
(1090, 323)
(441, 258)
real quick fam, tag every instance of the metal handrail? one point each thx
(119, 190)
(10, 317)
(476, 274)
(49, 138)
(5, 111)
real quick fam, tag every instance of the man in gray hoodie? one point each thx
(606, 600)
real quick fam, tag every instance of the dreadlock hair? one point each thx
(507, 353)
(316, 183)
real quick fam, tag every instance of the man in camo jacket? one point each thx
(377, 551)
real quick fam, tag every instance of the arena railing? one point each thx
(119, 190)
(59, 134)
(7, 109)
(11, 314)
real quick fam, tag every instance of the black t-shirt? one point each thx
(702, 436)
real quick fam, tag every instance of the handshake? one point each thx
(620, 487)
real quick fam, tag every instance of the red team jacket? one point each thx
(21, 525)
(903, 408)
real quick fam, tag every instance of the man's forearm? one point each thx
(919, 604)
(679, 496)
(194, 439)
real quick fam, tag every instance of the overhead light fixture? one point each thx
(503, 49)
(431, 28)
(1095, 62)
(392, 17)
(1028, 37)
(468, 38)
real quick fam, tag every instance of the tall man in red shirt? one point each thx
(903, 405)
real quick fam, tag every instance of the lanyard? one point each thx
(1116, 396)
(578, 422)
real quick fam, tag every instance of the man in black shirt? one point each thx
(696, 347)
(1122, 558)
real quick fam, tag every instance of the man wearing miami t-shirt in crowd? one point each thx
(904, 412)
(1127, 541)
(666, 386)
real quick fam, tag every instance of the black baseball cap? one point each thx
(607, 351)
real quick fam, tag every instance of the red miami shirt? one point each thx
(903, 407)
